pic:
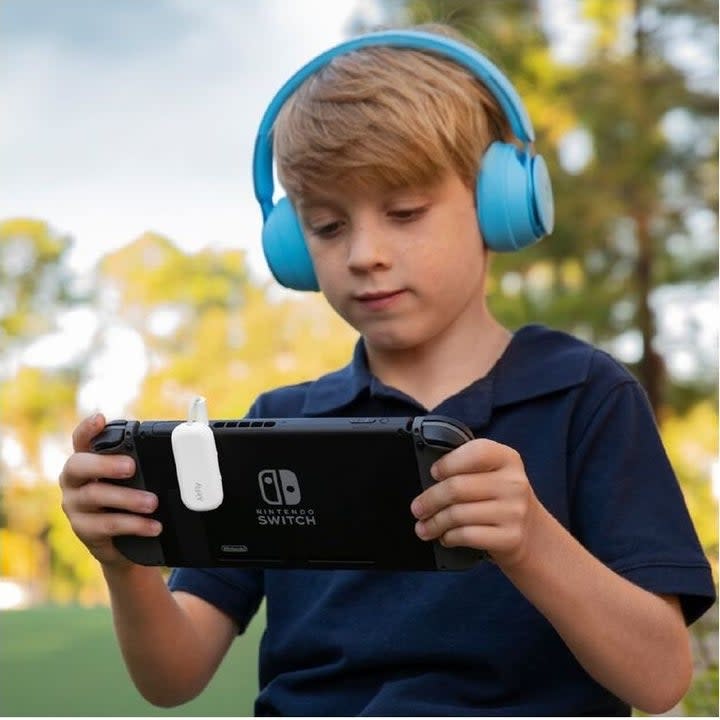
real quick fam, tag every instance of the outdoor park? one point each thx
(117, 309)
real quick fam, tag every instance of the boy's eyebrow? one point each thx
(311, 202)
(318, 201)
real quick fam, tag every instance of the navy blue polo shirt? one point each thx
(468, 643)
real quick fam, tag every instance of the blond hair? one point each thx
(387, 118)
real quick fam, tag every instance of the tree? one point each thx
(36, 404)
(209, 330)
(206, 328)
(628, 214)
(35, 283)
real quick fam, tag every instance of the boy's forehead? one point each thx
(340, 193)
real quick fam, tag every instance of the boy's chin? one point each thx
(391, 342)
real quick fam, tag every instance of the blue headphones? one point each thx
(513, 191)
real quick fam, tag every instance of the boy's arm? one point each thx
(172, 643)
(632, 641)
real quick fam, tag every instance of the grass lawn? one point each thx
(64, 661)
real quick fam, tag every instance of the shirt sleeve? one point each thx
(236, 592)
(627, 506)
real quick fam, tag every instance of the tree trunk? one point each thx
(652, 367)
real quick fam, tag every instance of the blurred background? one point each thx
(131, 273)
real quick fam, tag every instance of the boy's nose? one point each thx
(366, 250)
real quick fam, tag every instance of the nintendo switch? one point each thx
(312, 493)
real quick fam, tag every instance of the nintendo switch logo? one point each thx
(279, 487)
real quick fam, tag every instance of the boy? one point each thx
(595, 568)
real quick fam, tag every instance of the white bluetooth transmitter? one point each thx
(196, 460)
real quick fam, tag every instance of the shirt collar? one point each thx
(537, 362)
(338, 389)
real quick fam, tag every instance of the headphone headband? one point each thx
(465, 56)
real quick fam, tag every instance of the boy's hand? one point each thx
(482, 499)
(87, 502)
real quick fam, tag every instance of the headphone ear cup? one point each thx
(285, 250)
(514, 198)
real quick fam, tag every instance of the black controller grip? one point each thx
(119, 438)
(435, 437)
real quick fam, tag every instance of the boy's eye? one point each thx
(407, 214)
(326, 230)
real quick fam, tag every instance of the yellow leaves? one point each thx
(692, 439)
(540, 88)
(153, 270)
(33, 393)
(37, 402)
(572, 274)
(607, 17)
(32, 278)
(232, 354)
(46, 244)
(19, 555)
(691, 442)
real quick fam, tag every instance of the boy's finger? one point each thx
(468, 514)
(96, 527)
(479, 455)
(86, 431)
(92, 496)
(456, 490)
(84, 467)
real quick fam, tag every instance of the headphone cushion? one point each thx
(285, 250)
(507, 200)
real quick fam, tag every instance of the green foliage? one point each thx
(25, 400)
(171, 277)
(691, 441)
(225, 337)
(33, 279)
(624, 220)
(702, 700)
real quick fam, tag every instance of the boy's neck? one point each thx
(443, 366)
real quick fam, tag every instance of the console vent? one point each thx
(243, 423)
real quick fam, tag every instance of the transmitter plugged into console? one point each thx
(196, 460)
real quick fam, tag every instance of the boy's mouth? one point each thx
(379, 299)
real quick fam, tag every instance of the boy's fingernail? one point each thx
(150, 499)
(125, 467)
(433, 472)
(94, 419)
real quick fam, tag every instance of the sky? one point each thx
(127, 116)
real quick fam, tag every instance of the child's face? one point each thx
(402, 267)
